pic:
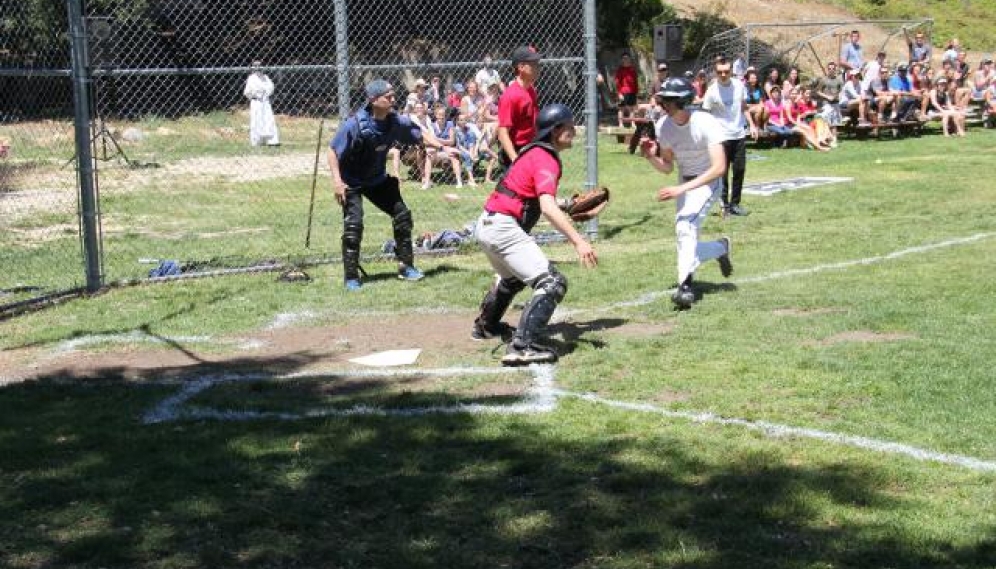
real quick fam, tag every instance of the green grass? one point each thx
(898, 349)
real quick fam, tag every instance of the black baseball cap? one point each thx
(525, 53)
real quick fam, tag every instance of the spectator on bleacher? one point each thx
(920, 50)
(792, 81)
(487, 114)
(699, 84)
(826, 91)
(434, 94)
(626, 87)
(851, 55)
(880, 99)
(455, 96)
(467, 138)
(472, 99)
(662, 74)
(872, 70)
(774, 78)
(921, 86)
(418, 95)
(739, 66)
(486, 151)
(981, 79)
(990, 103)
(901, 89)
(781, 121)
(853, 100)
(803, 112)
(487, 76)
(725, 99)
(754, 96)
(942, 105)
(425, 157)
(444, 131)
(951, 51)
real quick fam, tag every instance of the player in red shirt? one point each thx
(528, 190)
(626, 87)
(519, 104)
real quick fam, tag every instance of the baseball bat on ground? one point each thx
(314, 182)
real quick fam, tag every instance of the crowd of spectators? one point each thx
(863, 94)
(459, 125)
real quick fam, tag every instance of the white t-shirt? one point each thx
(485, 77)
(870, 73)
(726, 103)
(690, 142)
(850, 92)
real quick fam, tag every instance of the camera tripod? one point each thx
(105, 146)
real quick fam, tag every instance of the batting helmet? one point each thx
(677, 88)
(550, 117)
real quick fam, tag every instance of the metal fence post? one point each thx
(342, 56)
(591, 103)
(84, 158)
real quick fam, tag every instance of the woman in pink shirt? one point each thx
(782, 122)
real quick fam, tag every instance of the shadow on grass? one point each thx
(84, 484)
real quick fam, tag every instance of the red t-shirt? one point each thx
(517, 110)
(626, 80)
(533, 173)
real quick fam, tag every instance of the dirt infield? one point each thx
(280, 349)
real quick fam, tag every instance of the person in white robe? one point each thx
(262, 125)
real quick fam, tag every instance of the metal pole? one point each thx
(342, 56)
(84, 156)
(747, 48)
(591, 103)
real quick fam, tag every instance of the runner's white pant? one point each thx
(511, 251)
(693, 207)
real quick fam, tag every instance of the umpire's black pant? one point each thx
(736, 160)
(386, 196)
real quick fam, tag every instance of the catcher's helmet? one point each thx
(550, 117)
(677, 88)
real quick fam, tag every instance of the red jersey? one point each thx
(517, 110)
(626, 80)
(534, 173)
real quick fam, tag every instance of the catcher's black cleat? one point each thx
(482, 331)
(684, 297)
(725, 265)
(525, 355)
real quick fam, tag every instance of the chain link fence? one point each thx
(176, 173)
(39, 222)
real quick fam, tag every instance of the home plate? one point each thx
(769, 188)
(388, 358)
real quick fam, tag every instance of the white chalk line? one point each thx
(651, 297)
(783, 431)
(539, 397)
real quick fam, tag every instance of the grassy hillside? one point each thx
(972, 21)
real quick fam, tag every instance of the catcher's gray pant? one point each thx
(511, 251)
(693, 207)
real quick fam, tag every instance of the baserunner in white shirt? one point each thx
(693, 141)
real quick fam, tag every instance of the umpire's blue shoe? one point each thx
(353, 284)
(408, 273)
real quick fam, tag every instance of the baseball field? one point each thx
(829, 405)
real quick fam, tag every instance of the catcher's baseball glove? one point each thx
(582, 207)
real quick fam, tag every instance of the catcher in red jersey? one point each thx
(528, 190)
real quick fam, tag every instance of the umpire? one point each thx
(358, 161)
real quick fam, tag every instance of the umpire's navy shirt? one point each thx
(371, 173)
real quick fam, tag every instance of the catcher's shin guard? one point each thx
(496, 302)
(352, 235)
(402, 223)
(549, 290)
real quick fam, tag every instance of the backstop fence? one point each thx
(167, 170)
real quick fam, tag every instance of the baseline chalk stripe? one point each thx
(540, 397)
(784, 431)
(649, 297)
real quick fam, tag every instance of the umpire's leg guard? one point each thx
(496, 302)
(548, 290)
(402, 223)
